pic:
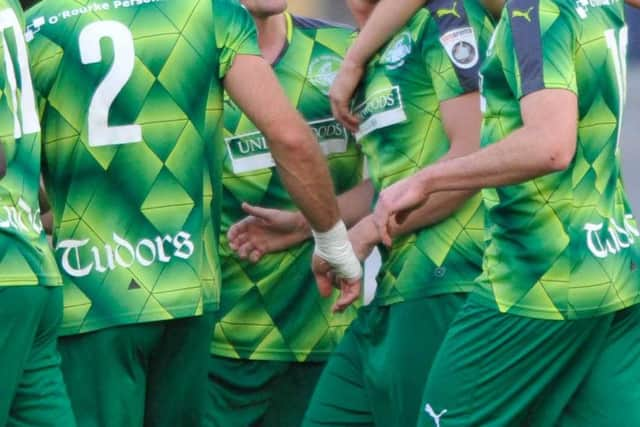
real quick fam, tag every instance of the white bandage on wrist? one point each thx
(334, 247)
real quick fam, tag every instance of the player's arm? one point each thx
(252, 85)
(461, 118)
(540, 71)
(545, 143)
(386, 19)
(633, 3)
(267, 230)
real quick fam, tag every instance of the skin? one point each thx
(267, 229)
(301, 165)
(383, 19)
(546, 143)
(386, 18)
(270, 23)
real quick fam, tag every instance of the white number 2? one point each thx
(617, 45)
(27, 108)
(100, 133)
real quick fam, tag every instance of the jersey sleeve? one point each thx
(451, 50)
(235, 32)
(543, 40)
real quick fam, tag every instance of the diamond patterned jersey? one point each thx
(25, 256)
(131, 100)
(434, 58)
(271, 310)
(565, 245)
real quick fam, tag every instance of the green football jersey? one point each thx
(130, 97)
(564, 245)
(434, 58)
(25, 256)
(272, 310)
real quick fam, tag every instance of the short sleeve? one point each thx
(452, 55)
(543, 42)
(235, 33)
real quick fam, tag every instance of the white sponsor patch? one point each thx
(381, 109)
(249, 152)
(461, 46)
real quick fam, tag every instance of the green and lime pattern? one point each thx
(565, 245)
(402, 132)
(25, 256)
(271, 310)
(130, 217)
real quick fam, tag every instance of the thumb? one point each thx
(258, 212)
(325, 284)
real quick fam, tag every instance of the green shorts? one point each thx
(497, 369)
(151, 374)
(377, 374)
(243, 393)
(33, 391)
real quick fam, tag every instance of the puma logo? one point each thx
(522, 14)
(444, 12)
(436, 417)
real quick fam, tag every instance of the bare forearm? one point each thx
(545, 143)
(387, 18)
(515, 159)
(440, 205)
(306, 177)
(437, 208)
(301, 164)
(355, 204)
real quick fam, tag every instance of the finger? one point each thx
(257, 211)
(349, 117)
(349, 293)
(255, 255)
(402, 216)
(381, 220)
(351, 123)
(238, 227)
(239, 240)
(245, 249)
(344, 116)
(324, 281)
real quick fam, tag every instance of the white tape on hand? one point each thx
(334, 247)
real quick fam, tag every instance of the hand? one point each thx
(326, 281)
(266, 231)
(341, 92)
(364, 237)
(396, 202)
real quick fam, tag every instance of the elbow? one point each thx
(560, 155)
(297, 143)
(300, 144)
